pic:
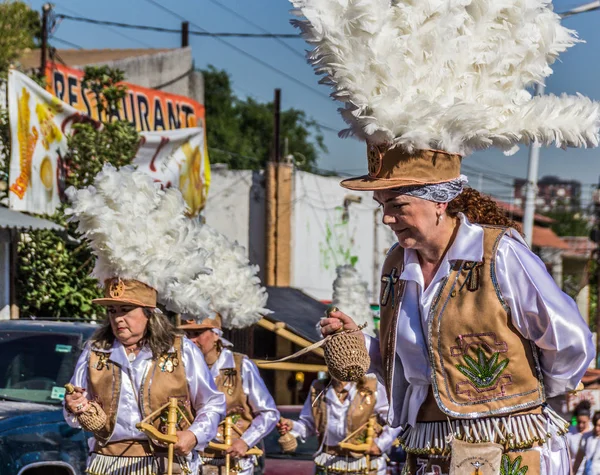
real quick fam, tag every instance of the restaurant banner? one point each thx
(148, 109)
(40, 124)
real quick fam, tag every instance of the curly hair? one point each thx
(159, 336)
(480, 209)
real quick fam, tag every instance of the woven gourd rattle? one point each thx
(287, 442)
(94, 418)
(346, 354)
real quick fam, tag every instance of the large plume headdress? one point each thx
(351, 296)
(138, 231)
(233, 289)
(449, 75)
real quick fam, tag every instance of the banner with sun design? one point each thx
(40, 124)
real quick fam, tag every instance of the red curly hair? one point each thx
(480, 209)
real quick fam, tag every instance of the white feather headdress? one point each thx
(138, 231)
(446, 74)
(233, 288)
(351, 296)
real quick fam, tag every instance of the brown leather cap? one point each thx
(127, 292)
(205, 324)
(394, 168)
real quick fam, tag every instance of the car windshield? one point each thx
(305, 451)
(36, 366)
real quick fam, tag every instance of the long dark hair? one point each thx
(159, 337)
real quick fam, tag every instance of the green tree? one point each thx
(240, 132)
(569, 223)
(53, 278)
(20, 28)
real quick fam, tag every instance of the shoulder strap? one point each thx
(580, 454)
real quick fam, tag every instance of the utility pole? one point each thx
(531, 189)
(46, 9)
(272, 190)
(277, 127)
(185, 34)
(534, 149)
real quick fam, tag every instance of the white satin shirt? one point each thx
(540, 311)
(204, 397)
(337, 418)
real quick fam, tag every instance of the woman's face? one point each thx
(413, 220)
(597, 428)
(204, 339)
(583, 422)
(128, 323)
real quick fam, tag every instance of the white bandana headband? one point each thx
(438, 192)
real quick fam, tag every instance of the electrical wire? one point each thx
(249, 22)
(68, 43)
(243, 52)
(112, 30)
(173, 30)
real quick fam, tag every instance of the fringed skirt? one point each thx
(99, 464)
(516, 432)
(327, 464)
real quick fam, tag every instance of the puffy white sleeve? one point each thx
(260, 400)
(304, 427)
(388, 435)
(80, 380)
(208, 403)
(542, 313)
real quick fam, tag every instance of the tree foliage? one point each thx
(20, 28)
(569, 223)
(240, 132)
(53, 278)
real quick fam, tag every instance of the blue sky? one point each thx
(578, 70)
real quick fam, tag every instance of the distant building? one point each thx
(553, 194)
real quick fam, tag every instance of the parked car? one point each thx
(36, 359)
(301, 462)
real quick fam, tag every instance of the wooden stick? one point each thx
(171, 430)
(227, 434)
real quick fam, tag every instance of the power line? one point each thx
(174, 30)
(256, 97)
(68, 43)
(112, 30)
(249, 22)
(241, 51)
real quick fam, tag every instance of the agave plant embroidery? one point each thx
(514, 468)
(484, 372)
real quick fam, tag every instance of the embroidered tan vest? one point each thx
(165, 378)
(360, 410)
(229, 382)
(481, 365)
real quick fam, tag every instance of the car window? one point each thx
(305, 451)
(35, 366)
